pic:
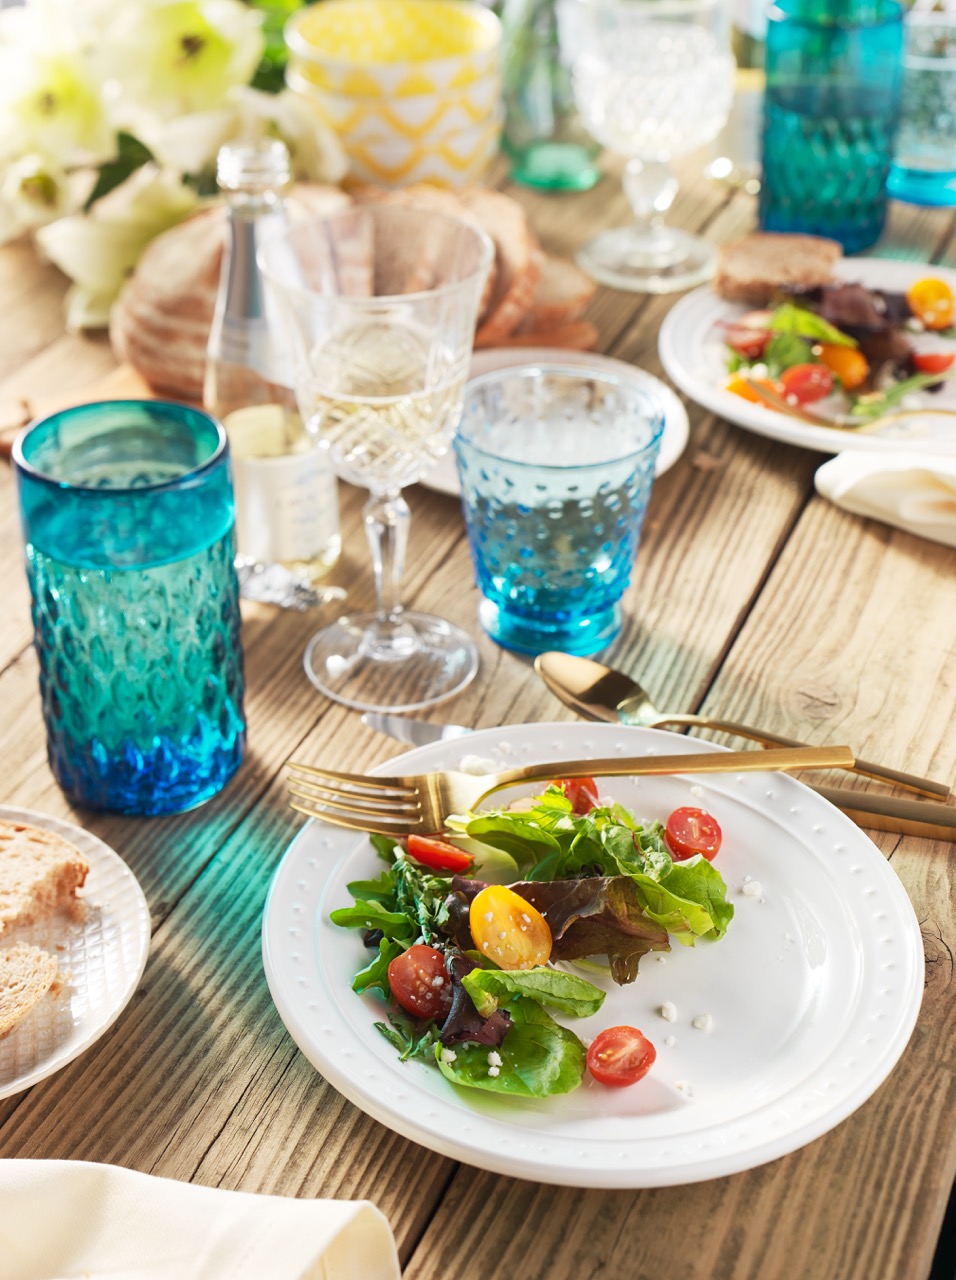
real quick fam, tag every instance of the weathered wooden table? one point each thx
(752, 598)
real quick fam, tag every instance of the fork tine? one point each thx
(352, 822)
(358, 781)
(350, 803)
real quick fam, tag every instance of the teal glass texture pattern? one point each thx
(556, 466)
(831, 110)
(127, 512)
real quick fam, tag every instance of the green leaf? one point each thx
(375, 975)
(789, 318)
(131, 154)
(876, 403)
(539, 1057)
(373, 915)
(563, 991)
(784, 350)
(412, 1039)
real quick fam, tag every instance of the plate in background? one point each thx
(443, 476)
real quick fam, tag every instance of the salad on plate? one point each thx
(476, 937)
(857, 354)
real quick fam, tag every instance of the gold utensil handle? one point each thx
(882, 812)
(785, 758)
(879, 772)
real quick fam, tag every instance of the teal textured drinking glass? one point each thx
(831, 109)
(556, 466)
(127, 513)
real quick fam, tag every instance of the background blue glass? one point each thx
(127, 512)
(831, 110)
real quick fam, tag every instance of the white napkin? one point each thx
(69, 1220)
(914, 491)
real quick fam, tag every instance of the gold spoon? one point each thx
(601, 693)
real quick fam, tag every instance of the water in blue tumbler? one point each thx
(127, 511)
(831, 109)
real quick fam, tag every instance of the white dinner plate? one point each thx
(812, 994)
(443, 476)
(695, 359)
(102, 956)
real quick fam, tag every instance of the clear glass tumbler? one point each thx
(924, 166)
(556, 466)
(127, 512)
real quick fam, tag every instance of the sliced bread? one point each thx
(517, 262)
(40, 873)
(561, 296)
(750, 270)
(27, 974)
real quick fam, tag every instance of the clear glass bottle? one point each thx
(286, 494)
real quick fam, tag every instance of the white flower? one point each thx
(99, 250)
(50, 104)
(189, 143)
(33, 192)
(178, 57)
(316, 153)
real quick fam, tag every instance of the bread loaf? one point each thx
(752, 269)
(561, 295)
(160, 323)
(40, 873)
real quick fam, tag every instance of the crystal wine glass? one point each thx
(376, 308)
(653, 80)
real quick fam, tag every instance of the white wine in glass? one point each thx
(377, 306)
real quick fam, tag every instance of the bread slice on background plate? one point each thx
(27, 975)
(40, 873)
(752, 269)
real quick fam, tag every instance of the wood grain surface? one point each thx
(753, 599)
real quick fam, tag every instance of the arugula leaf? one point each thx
(410, 1038)
(539, 1057)
(789, 318)
(564, 991)
(784, 350)
(876, 403)
(375, 975)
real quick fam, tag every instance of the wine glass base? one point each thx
(662, 262)
(370, 666)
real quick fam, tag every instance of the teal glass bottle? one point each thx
(545, 142)
(831, 110)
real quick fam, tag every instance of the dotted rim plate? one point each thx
(104, 956)
(812, 995)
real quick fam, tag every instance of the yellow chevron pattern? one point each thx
(455, 162)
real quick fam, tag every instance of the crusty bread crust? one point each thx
(40, 873)
(27, 974)
(561, 296)
(750, 270)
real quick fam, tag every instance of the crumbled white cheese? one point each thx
(703, 1022)
(438, 981)
(448, 1055)
(503, 933)
(525, 917)
(670, 1041)
(661, 959)
(752, 889)
(494, 1058)
(489, 916)
(684, 1088)
(697, 791)
(476, 764)
(493, 1071)
(669, 1011)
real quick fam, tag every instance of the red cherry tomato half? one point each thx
(805, 383)
(747, 341)
(438, 854)
(689, 831)
(620, 1056)
(932, 361)
(420, 983)
(582, 792)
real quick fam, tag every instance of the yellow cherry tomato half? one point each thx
(931, 302)
(845, 363)
(509, 930)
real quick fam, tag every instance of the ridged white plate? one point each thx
(103, 957)
(813, 993)
(695, 359)
(443, 475)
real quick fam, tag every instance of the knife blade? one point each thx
(874, 810)
(415, 732)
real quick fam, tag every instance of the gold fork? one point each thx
(407, 804)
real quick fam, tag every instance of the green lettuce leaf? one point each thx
(375, 975)
(563, 991)
(789, 318)
(539, 1057)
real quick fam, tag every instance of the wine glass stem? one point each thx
(386, 517)
(650, 187)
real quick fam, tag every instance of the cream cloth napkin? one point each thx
(914, 491)
(70, 1220)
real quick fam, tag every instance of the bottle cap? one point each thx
(253, 165)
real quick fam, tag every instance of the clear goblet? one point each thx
(653, 80)
(376, 308)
